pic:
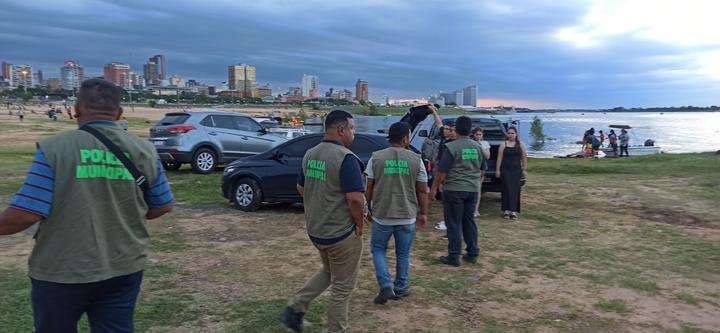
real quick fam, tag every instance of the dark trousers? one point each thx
(624, 148)
(459, 211)
(614, 148)
(109, 304)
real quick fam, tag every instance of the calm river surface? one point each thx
(674, 132)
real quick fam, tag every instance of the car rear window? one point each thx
(174, 119)
(492, 130)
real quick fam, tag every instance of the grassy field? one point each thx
(616, 245)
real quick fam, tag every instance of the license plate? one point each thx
(159, 143)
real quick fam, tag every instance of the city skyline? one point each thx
(525, 53)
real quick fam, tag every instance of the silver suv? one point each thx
(207, 138)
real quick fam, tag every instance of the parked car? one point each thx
(208, 138)
(494, 132)
(271, 176)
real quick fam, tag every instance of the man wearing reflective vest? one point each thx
(91, 243)
(398, 193)
(459, 175)
(332, 185)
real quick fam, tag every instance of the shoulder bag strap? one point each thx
(140, 180)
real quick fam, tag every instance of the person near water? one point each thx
(624, 142)
(510, 168)
(612, 140)
(397, 194)
(602, 137)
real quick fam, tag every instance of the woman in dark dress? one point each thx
(510, 167)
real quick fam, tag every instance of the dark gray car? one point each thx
(208, 138)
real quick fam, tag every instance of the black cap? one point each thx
(398, 131)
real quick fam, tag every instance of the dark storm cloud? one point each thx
(406, 49)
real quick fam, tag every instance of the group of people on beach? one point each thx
(91, 191)
(394, 200)
(593, 143)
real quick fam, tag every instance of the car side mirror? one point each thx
(263, 130)
(423, 133)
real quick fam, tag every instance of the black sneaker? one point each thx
(384, 295)
(293, 320)
(450, 261)
(402, 293)
(467, 258)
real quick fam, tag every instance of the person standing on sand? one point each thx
(397, 193)
(332, 185)
(91, 244)
(624, 142)
(612, 139)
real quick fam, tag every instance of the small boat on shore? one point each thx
(634, 150)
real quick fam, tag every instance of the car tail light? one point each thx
(180, 129)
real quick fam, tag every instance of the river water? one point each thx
(674, 132)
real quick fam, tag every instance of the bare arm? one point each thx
(421, 191)
(14, 220)
(501, 150)
(154, 213)
(437, 182)
(300, 190)
(486, 153)
(369, 189)
(523, 159)
(438, 120)
(356, 201)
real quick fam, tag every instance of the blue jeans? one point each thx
(459, 212)
(404, 235)
(109, 304)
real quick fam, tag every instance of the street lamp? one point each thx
(24, 74)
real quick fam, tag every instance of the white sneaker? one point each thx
(441, 226)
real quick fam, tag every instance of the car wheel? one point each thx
(171, 166)
(204, 161)
(247, 195)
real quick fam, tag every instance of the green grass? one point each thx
(651, 165)
(15, 302)
(613, 305)
(687, 298)
(196, 189)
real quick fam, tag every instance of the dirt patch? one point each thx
(674, 217)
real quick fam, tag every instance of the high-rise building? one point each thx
(22, 76)
(310, 86)
(453, 98)
(71, 75)
(151, 73)
(342, 94)
(38, 79)
(7, 70)
(118, 73)
(242, 78)
(361, 91)
(159, 60)
(470, 95)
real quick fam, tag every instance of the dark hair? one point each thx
(477, 130)
(99, 96)
(517, 135)
(337, 117)
(398, 131)
(463, 125)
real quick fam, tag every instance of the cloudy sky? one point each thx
(554, 53)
